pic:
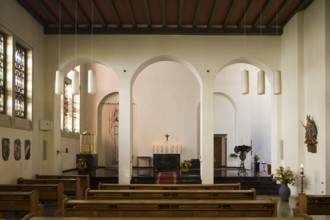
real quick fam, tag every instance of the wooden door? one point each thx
(220, 150)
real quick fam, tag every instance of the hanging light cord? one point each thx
(59, 33)
(75, 38)
(92, 31)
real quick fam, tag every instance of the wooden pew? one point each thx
(53, 193)
(173, 218)
(84, 179)
(249, 194)
(21, 202)
(312, 205)
(72, 186)
(170, 186)
(169, 208)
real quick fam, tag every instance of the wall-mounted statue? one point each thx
(310, 134)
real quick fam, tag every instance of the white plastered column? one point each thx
(207, 168)
(125, 133)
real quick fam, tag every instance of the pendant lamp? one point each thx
(75, 82)
(59, 82)
(245, 82)
(261, 82)
(277, 82)
(91, 82)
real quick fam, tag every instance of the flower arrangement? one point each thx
(256, 157)
(81, 165)
(285, 175)
(186, 164)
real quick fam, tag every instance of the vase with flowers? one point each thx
(286, 177)
(82, 166)
(185, 165)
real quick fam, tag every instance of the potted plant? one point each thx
(285, 176)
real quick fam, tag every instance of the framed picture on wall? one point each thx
(5, 149)
(27, 149)
(17, 149)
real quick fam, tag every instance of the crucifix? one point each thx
(167, 136)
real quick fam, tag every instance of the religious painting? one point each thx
(310, 134)
(5, 149)
(27, 149)
(17, 149)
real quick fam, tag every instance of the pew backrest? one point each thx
(84, 179)
(222, 186)
(71, 187)
(170, 208)
(313, 204)
(249, 194)
(47, 192)
(21, 202)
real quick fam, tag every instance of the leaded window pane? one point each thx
(20, 81)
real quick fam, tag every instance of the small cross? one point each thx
(167, 136)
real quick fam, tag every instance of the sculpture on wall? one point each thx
(310, 134)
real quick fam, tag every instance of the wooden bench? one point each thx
(249, 194)
(172, 218)
(169, 208)
(312, 205)
(84, 179)
(170, 186)
(53, 193)
(27, 202)
(71, 187)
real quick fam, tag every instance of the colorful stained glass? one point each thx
(71, 109)
(20, 81)
(2, 73)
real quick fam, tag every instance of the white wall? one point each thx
(245, 118)
(29, 33)
(303, 64)
(165, 101)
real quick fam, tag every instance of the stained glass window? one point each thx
(71, 109)
(2, 73)
(20, 81)
(67, 109)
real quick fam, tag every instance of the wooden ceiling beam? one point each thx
(181, 3)
(98, 12)
(147, 12)
(245, 13)
(231, 9)
(114, 12)
(163, 8)
(196, 13)
(214, 10)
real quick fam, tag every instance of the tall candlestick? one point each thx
(302, 169)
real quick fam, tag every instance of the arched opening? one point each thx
(166, 97)
(245, 118)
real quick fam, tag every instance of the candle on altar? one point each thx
(180, 148)
(153, 148)
(302, 169)
(177, 148)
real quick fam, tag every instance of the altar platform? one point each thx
(261, 181)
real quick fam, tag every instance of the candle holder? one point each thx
(302, 181)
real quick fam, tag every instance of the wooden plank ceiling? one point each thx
(193, 17)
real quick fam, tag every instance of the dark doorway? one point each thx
(220, 150)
